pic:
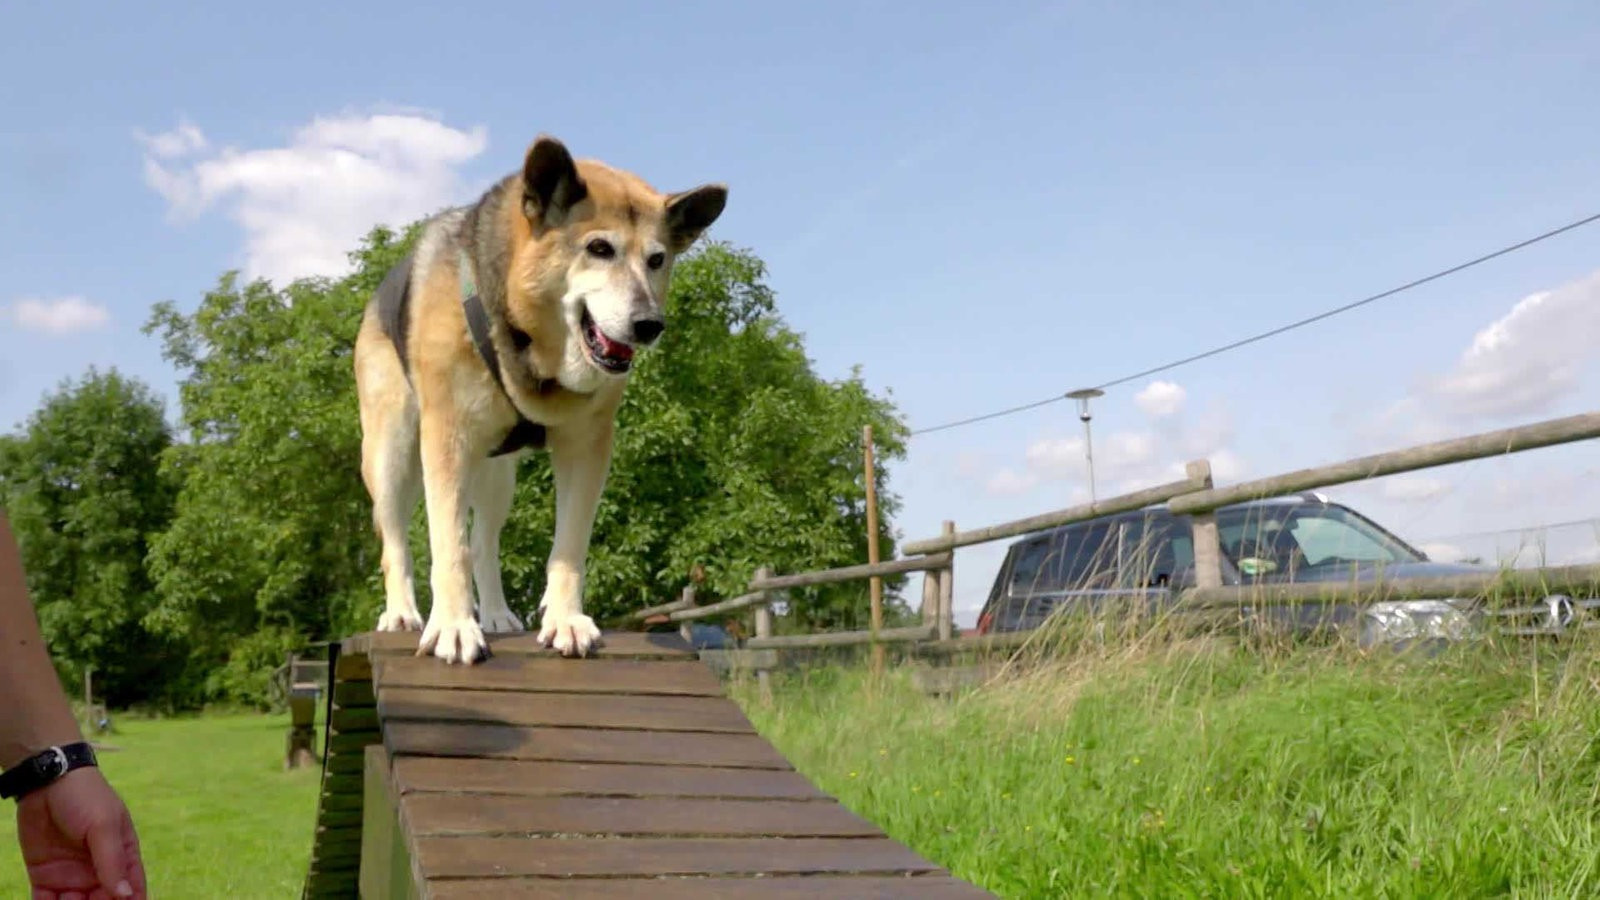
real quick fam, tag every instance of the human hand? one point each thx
(78, 841)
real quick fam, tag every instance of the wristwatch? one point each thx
(45, 767)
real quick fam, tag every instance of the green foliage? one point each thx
(83, 489)
(731, 453)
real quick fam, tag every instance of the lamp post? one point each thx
(1083, 396)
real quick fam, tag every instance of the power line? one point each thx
(1281, 329)
(1592, 520)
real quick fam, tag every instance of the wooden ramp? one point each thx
(626, 774)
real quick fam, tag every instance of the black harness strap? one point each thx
(524, 434)
(394, 313)
(394, 308)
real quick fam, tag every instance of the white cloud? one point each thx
(1520, 364)
(1414, 488)
(1008, 481)
(304, 206)
(1160, 398)
(59, 316)
(1130, 460)
(181, 141)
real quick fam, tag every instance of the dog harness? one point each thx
(394, 310)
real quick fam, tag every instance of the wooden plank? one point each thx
(341, 784)
(352, 667)
(479, 814)
(385, 862)
(464, 857)
(846, 887)
(535, 778)
(337, 802)
(614, 645)
(748, 751)
(1106, 507)
(850, 573)
(567, 710)
(353, 718)
(909, 634)
(353, 693)
(1584, 426)
(688, 677)
(663, 608)
(351, 741)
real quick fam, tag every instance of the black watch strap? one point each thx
(43, 768)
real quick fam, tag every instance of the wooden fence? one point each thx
(1194, 496)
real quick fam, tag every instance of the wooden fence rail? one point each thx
(1195, 497)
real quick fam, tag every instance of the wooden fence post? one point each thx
(688, 600)
(1207, 544)
(876, 582)
(947, 590)
(764, 630)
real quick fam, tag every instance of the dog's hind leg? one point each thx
(392, 470)
(492, 490)
(580, 459)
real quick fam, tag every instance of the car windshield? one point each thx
(1279, 540)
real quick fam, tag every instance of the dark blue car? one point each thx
(1148, 555)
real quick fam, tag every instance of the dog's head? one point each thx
(600, 248)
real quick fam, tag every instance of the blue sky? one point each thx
(982, 209)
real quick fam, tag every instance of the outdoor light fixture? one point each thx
(1083, 396)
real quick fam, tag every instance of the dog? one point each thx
(510, 328)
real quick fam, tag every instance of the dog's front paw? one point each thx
(501, 621)
(400, 620)
(454, 641)
(571, 635)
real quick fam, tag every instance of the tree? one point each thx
(83, 489)
(731, 453)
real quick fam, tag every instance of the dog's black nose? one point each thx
(645, 331)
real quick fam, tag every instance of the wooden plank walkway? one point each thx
(627, 774)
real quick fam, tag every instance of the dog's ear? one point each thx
(691, 212)
(550, 183)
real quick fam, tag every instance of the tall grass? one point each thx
(1183, 767)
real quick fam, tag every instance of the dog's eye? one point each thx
(601, 249)
(656, 260)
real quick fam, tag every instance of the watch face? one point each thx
(52, 765)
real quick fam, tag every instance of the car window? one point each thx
(1321, 538)
(1025, 568)
(1155, 552)
(1077, 558)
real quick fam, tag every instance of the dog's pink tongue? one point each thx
(613, 349)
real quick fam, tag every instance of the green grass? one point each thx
(216, 813)
(1201, 770)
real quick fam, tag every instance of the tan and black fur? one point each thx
(544, 246)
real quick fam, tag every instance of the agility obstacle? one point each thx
(626, 774)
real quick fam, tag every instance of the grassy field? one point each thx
(1204, 771)
(217, 814)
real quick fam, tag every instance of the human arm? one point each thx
(77, 838)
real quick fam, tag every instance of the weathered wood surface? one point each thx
(928, 563)
(1585, 426)
(1124, 503)
(717, 609)
(625, 775)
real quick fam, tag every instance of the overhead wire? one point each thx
(1511, 248)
